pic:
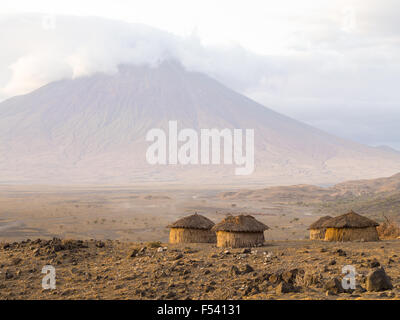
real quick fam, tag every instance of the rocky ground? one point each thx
(122, 270)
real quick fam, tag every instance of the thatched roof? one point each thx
(194, 221)
(240, 223)
(350, 220)
(318, 224)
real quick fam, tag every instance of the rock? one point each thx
(210, 288)
(374, 263)
(334, 286)
(234, 271)
(340, 252)
(134, 253)
(359, 289)
(284, 287)
(289, 276)
(186, 272)
(252, 290)
(332, 262)
(330, 293)
(171, 295)
(247, 269)
(100, 244)
(67, 292)
(178, 256)
(275, 277)
(323, 250)
(16, 261)
(227, 252)
(246, 250)
(8, 275)
(311, 279)
(378, 280)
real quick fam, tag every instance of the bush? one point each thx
(154, 244)
(388, 230)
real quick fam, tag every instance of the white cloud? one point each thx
(334, 65)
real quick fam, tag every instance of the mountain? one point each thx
(388, 149)
(368, 188)
(92, 130)
(377, 198)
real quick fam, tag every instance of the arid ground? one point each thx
(125, 270)
(129, 214)
(119, 245)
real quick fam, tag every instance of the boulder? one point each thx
(334, 286)
(378, 280)
(284, 287)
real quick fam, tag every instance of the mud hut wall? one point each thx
(351, 234)
(239, 239)
(183, 235)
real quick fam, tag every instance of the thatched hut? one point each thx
(350, 227)
(317, 231)
(239, 231)
(192, 229)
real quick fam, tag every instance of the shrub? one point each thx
(388, 230)
(154, 244)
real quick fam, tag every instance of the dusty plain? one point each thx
(111, 243)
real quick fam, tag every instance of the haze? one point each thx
(332, 65)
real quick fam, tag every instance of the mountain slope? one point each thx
(92, 130)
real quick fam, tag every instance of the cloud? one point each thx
(340, 69)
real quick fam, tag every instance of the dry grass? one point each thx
(388, 230)
(154, 244)
(317, 234)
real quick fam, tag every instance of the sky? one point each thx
(332, 64)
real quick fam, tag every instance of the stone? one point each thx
(284, 287)
(275, 277)
(334, 285)
(374, 264)
(178, 256)
(311, 279)
(340, 252)
(134, 253)
(247, 269)
(289, 276)
(234, 271)
(378, 280)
